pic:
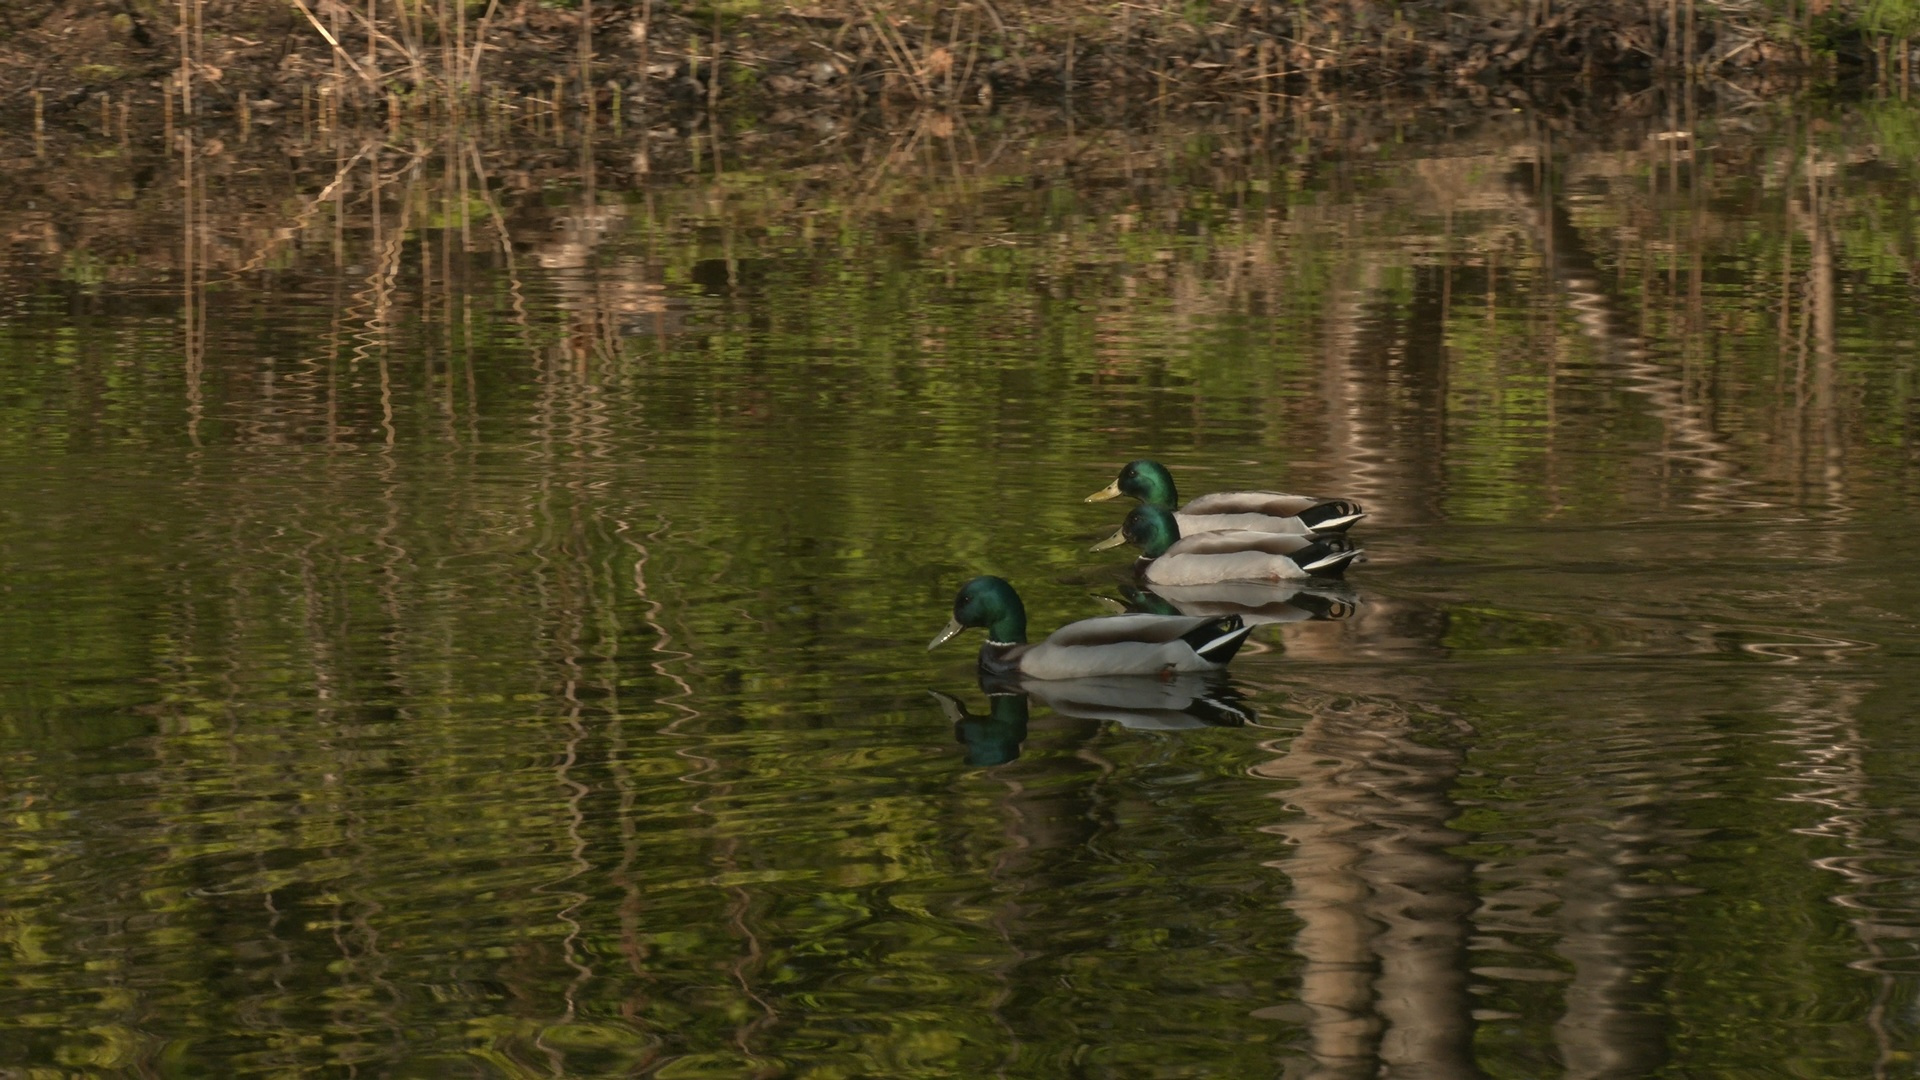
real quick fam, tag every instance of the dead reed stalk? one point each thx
(339, 52)
(897, 48)
(186, 59)
(429, 47)
(586, 53)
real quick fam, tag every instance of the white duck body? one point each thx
(1243, 555)
(1191, 524)
(1264, 511)
(1121, 645)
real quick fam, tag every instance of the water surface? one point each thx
(464, 603)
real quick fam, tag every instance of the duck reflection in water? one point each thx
(1256, 602)
(1138, 702)
(992, 739)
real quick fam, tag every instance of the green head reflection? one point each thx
(993, 739)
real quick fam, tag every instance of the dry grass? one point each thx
(456, 56)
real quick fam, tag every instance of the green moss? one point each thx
(1894, 18)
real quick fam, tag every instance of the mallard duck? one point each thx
(1233, 555)
(1257, 511)
(1106, 645)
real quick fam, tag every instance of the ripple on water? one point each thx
(509, 662)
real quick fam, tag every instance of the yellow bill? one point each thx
(953, 627)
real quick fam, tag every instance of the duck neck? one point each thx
(1006, 638)
(1010, 627)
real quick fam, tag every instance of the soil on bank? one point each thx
(214, 57)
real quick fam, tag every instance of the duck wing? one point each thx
(1316, 514)
(1250, 556)
(1106, 630)
(1194, 524)
(1135, 645)
(1247, 541)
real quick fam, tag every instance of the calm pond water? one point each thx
(463, 606)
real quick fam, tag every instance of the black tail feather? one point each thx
(1334, 515)
(1327, 556)
(1217, 640)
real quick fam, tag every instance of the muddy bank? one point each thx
(79, 58)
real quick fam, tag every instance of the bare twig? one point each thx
(480, 43)
(587, 97)
(306, 213)
(375, 34)
(186, 65)
(500, 225)
(881, 26)
(953, 49)
(973, 54)
(998, 23)
(713, 69)
(338, 51)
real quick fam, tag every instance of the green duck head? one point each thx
(1145, 480)
(1148, 528)
(988, 602)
